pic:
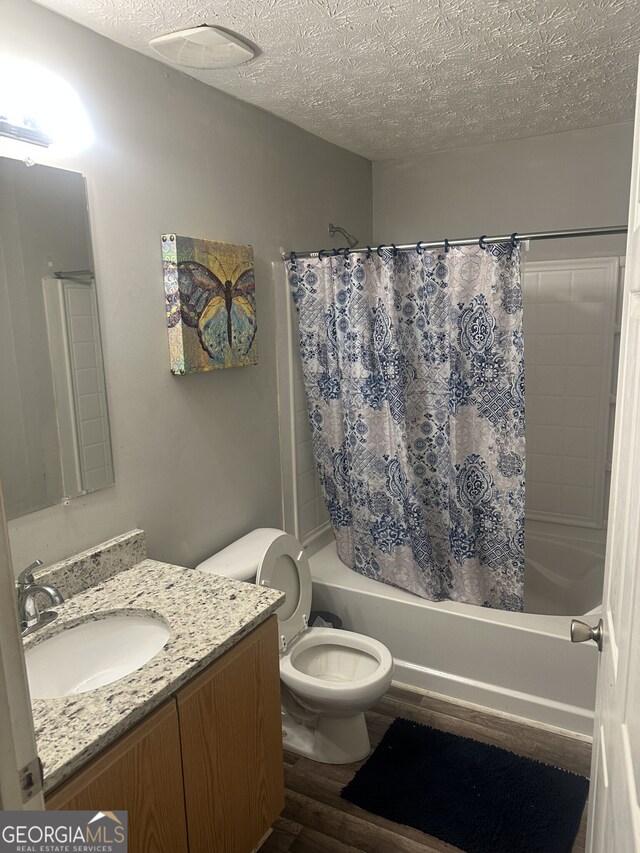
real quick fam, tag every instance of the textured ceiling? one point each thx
(394, 78)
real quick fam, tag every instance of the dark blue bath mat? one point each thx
(478, 797)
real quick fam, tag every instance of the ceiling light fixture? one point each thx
(203, 47)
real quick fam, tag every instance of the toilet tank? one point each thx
(240, 560)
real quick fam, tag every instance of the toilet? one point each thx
(329, 677)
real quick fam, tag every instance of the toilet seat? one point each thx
(284, 566)
(320, 688)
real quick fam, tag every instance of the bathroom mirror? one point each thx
(54, 427)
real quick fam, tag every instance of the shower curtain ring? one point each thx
(293, 258)
(379, 250)
(346, 253)
(335, 252)
(446, 245)
(368, 253)
(481, 242)
(321, 254)
(514, 242)
(418, 248)
(395, 250)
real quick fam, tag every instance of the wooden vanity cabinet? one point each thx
(231, 736)
(204, 773)
(141, 773)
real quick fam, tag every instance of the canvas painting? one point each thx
(210, 301)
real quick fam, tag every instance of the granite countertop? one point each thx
(206, 614)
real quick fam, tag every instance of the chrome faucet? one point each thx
(29, 613)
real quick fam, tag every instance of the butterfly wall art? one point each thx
(210, 303)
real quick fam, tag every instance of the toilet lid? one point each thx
(285, 566)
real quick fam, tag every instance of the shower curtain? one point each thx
(413, 365)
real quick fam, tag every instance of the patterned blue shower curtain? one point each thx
(414, 373)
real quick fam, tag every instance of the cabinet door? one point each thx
(231, 735)
(141, 773)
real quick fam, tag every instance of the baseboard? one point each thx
(531, 710)
(262, 840)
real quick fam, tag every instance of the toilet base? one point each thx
(329, 740)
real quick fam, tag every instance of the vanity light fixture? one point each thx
(40, 108)
(203, 47)
(24, 130)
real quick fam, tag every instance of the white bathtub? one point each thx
(562, 576)
(516, 663)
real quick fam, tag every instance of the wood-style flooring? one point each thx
(317, 820)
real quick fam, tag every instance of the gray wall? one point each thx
(196, 458)
(545, 183)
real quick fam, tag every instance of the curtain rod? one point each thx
(470, 241)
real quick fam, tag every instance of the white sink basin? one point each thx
(92, 654)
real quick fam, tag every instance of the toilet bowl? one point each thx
(329, 677)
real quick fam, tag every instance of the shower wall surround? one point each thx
(571, 324)
(196, 458)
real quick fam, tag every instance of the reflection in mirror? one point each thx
(54, 428)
